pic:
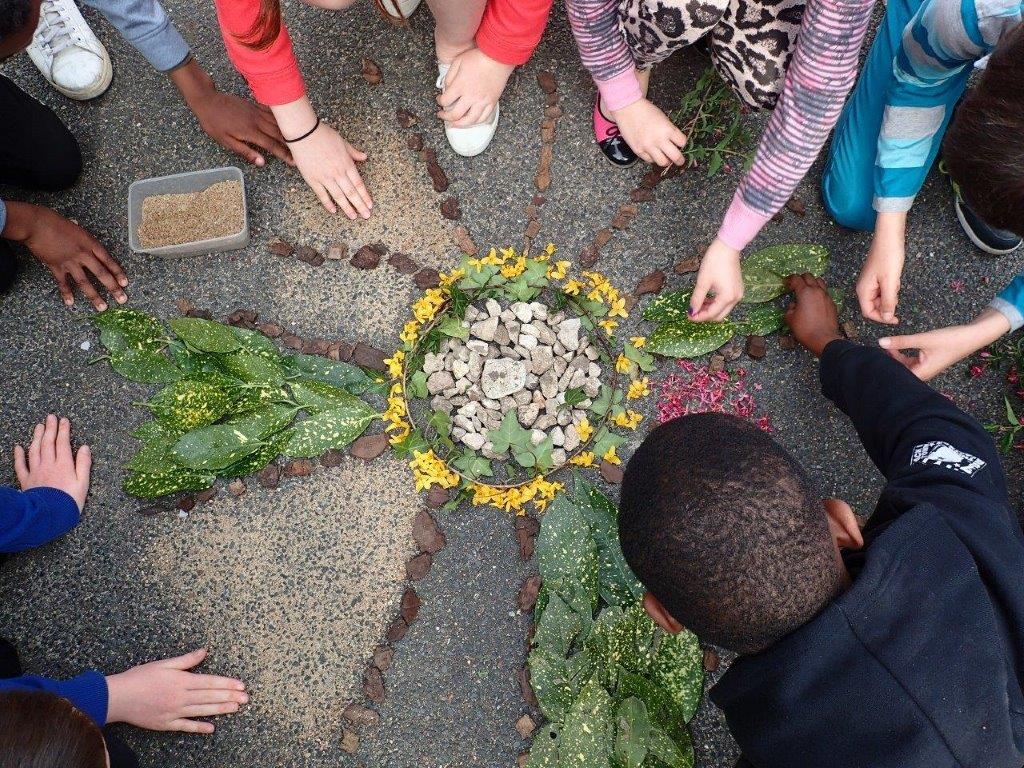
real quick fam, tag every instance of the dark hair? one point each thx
(14, 15)
(267, 26)
(984, 146)
(719, 523)
(42, 730)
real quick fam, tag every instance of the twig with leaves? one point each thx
(713, 122)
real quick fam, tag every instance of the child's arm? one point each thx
(822, 71)
(87, 691)
(939, 349)
(595, 25)
(54, 485)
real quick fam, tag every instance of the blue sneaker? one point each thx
(997, 242)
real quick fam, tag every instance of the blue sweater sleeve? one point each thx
(1010, 302)
(87, 691)
(145, 25)
(34, 517)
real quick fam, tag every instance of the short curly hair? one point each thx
(722, 526)
(14, 15)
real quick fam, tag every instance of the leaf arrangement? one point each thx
(616, 689)
(712, 120)
(764, 280)
(230, 400)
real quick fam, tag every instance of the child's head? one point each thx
(18, 20)
(984, 145)
(721, 525)
(41, 730)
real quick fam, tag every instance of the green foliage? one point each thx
(616, 689)
(712, 119)
(230, 401)
(686, 338)
(761, 320)
(765, 271)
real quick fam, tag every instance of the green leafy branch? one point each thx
(712, 120)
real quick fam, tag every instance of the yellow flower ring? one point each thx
(514, 276)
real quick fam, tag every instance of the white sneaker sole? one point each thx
(405, 7)
(98, 89)
(974, 238)
(470, 142)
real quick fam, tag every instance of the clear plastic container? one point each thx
(178, 183)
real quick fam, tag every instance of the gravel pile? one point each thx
(518, 358)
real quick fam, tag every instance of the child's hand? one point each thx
(812, 316)
(328, 164)
(70, 253)
(650, 133)
(50, 463)
(165, 696)
(939, 349)
(878, 287)
(472, 89)
(719, 284)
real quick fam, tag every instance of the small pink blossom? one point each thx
(977, 370)
(957, 286)
(695, 389)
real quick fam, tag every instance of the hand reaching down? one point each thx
(812, 316)
(472, 89)
(49, 462)
(650, 133)
(719, 285)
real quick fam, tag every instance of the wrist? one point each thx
(294, 118)
(816, 344)
(891, 226)
(192, 81)
(115, 699)
(990, 325)
(20, 217)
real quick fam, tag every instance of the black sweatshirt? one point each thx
(920, 663)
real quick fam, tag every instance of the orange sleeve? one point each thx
(272, 73)
(511, 29)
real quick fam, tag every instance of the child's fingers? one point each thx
(360, 187)
(63, 444)
(700, 294)
(20, 467)
(325, 198)
(48, 444)
(83, 464)
(341, 198)
(190, 726)
(197, 682)
(186, 660)
(66, 294)
(216, 696)
(357, 154)
(890, 290)
(105, 276)
(209, 710)
(34, 446)
(899, 342)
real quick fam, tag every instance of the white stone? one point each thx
(439, 381)
(594, 371)
(460, 369)
(572, 438)
(475, 345)
(544, 421)
(540, 360)
(522, 352)
(539, 310)
(463, 421)
(472, 313)
(432, 363)
(527, 414)
(501, 335)
(507, 316)
(503, 377)
(474, 440)
(591, 388)
(558, 456)
(538, 436)
(549, 385)
(545, 334)
(458, 433)
(493, 307)
(557, 436)
(522, 312)
(564, 418)
(529, 329)
(439, 403)
(523, 396)
(592, 353)
(484, 329)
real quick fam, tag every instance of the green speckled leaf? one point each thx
(187, 404)
(151, 485)
(315, 396)
(558, 627)
(550, 681)
(266, 420)
(668, 752)
(566, 550)
(669, 307)
(334, 428)
(216, 446)
(618, 585)
(252, 367)
(678, 667)
(544, 750)
(632, 733)
(586, 740)
(661, 709)
(206, 335)
(122, 328)
(765, 271)
(144, 365)
(761, 320)
(257, 343)
(313, 367)
(260, 458)
(688, 339)
(760, 285)
(153, 457)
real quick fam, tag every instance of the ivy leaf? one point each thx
(452, 326)
(632, 733)
(526, 459)
(150, 485)
(413, 442)
(316, 396)
(689, 339)
(216, 446)
(441, 423)
(678, 667)
(575, 396)
(566, 550)
(643, 360)
(544, 750)
(669, 307)
(417, 384)
(336, 373)
(542, 455)
(188, 404)
(206, 335)
(586, 738)
(510, 436)
(472, 465)
(762, 320)
(604, 440)
(558, 627)
(335, 428)
(478, 279)
(144, 365)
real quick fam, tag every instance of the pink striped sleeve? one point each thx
(820, 77)
(595, 25)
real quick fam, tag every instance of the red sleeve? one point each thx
(272, 73)
(511, 29)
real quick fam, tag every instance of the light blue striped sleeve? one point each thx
(3, 215)
(930, 72)
(1010, 302)
(145, 25)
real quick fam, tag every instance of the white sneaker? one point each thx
(471, 141)
(399, 9)
(67, 52)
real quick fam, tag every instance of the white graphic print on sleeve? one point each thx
(945, 455)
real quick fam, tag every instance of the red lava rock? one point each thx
(369, 357)
(236, 487)
(373, 684)
(369, 447)
(428, 155)
(528, 594)
(401, 263)
(298, 468)
(651, 283)
(279, 247)
(337, 252)
(437, 176)
(757, 347)
(543, 178)
(716, 364)
(332, 458)
(349, 742)
(732, 349)
(437, 496)
(316, 347)
(269, 476)
(427, 278)
(710, 660)
(602, 237)
(450, 209)
(642, 195)
(427, 534)
(309, 255)
(415, 142)
(419, 566)
(547, 82)
(850, 330)
(533, 228)
(547, 131)
(379, 248)
(551, 100)
(527, 529)
(796, 205)
(531, 211)
(341, 350)
(185, 306)
(206, 494)
(406, 119)
(382, 657)
(538, 200)
(651, 179)
(526, 688)
(624, 217)
(397, 630)
(612, 473)
(465, 242)
(273, 330)
(686, 266)
(357, 714)
(588, 256)
(203, 313)
(371, 72)
(151, 511)
(525, 725)
(187, 502)
(554, 111)
(366, 258)
(410, 605)
(787, 341)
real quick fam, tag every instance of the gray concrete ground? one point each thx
(113, 593)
